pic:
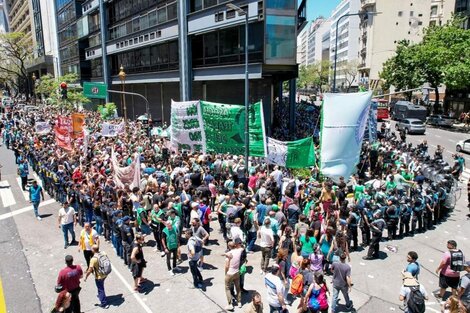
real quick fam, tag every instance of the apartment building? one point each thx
(149, 40)
(20, 19)
(316, 44)
(462, 7)
(397, 20)
(3, 18)
(346, 28)
(303, 47)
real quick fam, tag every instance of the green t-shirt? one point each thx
(358, 192)
(308, 208)
(390, 185)
(307, 246)
(177, 207)
(171, 238)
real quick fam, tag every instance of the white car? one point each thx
(463, 146)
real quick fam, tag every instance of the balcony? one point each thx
(367, 3)
(364, 51)
(89, 6)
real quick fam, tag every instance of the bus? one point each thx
(382, 109)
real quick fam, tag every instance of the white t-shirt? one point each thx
(267, 237)
(87, 238)
(66, 216)
(236, 232)
(274, 286)
(234, 266)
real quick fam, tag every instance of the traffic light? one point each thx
(63, 90)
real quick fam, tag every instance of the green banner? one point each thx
(224, 126)
(291, 154)
(95, 90)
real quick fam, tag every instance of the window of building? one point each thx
(152, 18)
(172, 11)
(162, 15)
(210, 45)
(209, 3)
(228, 41)
(280, 38)
(434, 10)
(230, 14)
(152, 36)
(432, 23)
(219, 17)
(412, 13)
(195, 5)
(400, 13)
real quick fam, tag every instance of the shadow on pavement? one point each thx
(148, 286)
(115, 300)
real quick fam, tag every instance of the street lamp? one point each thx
(122, 77)
(336, 40)
(34, 86)
(247, 86)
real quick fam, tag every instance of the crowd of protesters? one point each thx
(305, 227)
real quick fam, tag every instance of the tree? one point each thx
(50, 88)
(16, 53)
(401, 70)
(444, 57)
(315, 75)
(349, 70)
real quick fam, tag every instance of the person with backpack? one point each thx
(464, 288)
(317, 300)
(449, 269)
(413, 295)
(100, 266)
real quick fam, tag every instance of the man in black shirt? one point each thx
(127, 236)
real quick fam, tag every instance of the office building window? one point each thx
(162, 15)
(434, 10)
(280, 38)
(61, 3)
(281, 4)
(400, 13)
(209, 3)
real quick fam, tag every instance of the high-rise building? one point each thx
(317, 30)
(3, 18)
(348, 44)
(399, 20)
(20, 19)
(302, 47)
(197, 48)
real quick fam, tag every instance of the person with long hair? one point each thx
(316, 296)
(326, 247)
(451, 305)
(63, 302)
(316, 260)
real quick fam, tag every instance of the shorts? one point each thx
(136, 270)
(446, 282)
(145, 229)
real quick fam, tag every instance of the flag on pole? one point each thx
(291, 154)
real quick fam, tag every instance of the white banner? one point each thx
(129, 175)
(277, 152)
(187, 131)
(112, 130)
(42, 128)
(344, 121)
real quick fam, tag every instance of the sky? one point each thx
(315, 8)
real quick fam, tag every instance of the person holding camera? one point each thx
(138, 262)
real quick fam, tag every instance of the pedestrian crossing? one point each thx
(6, 192)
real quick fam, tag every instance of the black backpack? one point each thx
(456, 261)
(415, 302)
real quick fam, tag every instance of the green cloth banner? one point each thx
(224, 127)
(291, 154)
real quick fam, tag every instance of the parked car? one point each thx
(463, 146)
(441, 120)
(411, 126)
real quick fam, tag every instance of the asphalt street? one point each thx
(33, 254)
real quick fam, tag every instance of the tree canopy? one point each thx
(442, 57)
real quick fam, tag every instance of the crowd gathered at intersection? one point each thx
(305, 227)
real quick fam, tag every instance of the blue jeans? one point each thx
(101, 292)
(119, 248)
(273, 309)
(36, 208)
(334, 301)
(250, 240)
(88, 215)
(66, 229)
(99, 224)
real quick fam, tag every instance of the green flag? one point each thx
(291, 154)
(224, 127)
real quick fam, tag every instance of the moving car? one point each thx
(463, 146)
(405, 109)
(411, 126)
(441, 120)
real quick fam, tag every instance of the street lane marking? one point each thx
(6, 194)
(25, 193)
(23, 210)
(3, 306)
(136, 296)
